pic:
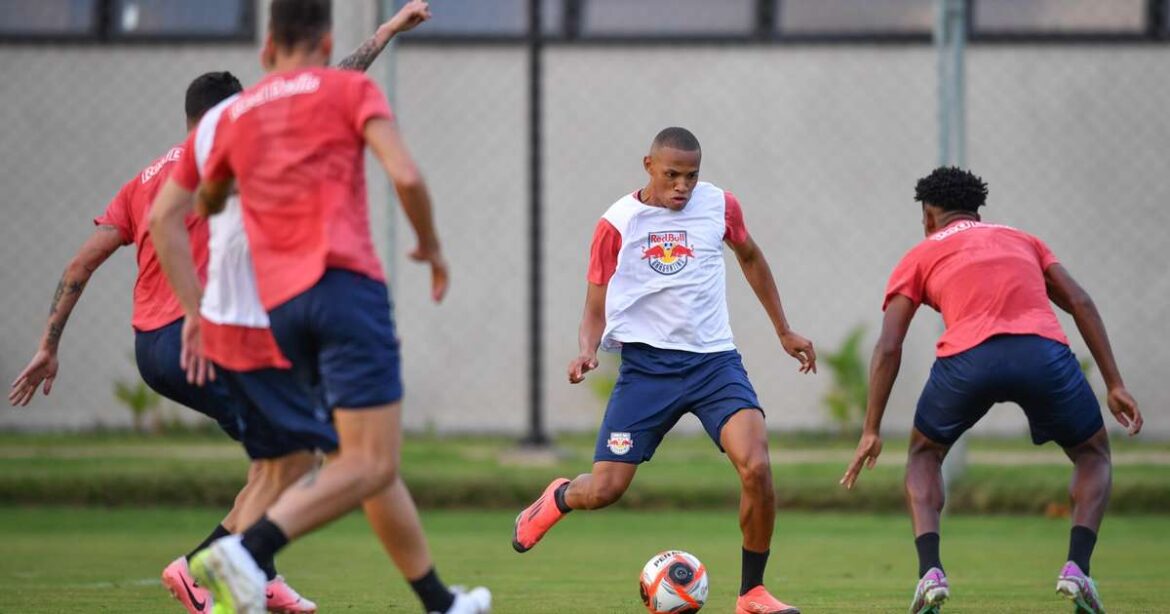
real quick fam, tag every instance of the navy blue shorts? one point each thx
(340, 337)
(280, 414)
(655, 387)
(1040, 375)
(157, 353)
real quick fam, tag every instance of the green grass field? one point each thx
(94, 560)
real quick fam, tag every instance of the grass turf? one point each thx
(100, 560)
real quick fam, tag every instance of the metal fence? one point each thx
(818, 115)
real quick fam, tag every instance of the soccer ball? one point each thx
(673, 581)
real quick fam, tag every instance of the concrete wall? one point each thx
(822, 144)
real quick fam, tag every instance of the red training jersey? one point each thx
(294, 144)
(985, 279)
(155, 304)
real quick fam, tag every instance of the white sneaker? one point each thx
(476, 601)
(235, 581)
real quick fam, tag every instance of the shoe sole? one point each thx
(1071, 591)
(212, 570)
(785, 611)
(932, 601)
(516, 545)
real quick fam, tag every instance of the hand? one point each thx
(42, 368)
(408, 17)
(580, 366)
(1125, 410)
(801, 349)
(199, 369)
(439, 278)
(868, 450)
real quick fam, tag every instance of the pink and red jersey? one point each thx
(985, 279)
(665, 273)
(155, 304)
(294, 144)
(235, 325)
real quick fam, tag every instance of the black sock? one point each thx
(559, 498)
(263, 540)
(752, 570)
(927, 545)
(215, 534)
(1080, 546)
(431, 591)
(268, 566)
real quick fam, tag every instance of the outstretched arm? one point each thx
(104, 241)
(759, 277)
(883, 370)
(407, 18)
(589, 333)
(1073, 299)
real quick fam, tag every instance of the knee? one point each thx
(285, 470)
(377, 472)
(756, 475)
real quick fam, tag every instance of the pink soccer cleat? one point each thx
(760, 601)
(177, 579)
(932, 590)
(538, 518)
(282, 599)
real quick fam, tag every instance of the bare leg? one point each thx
(1092, 480)
(924, 483)
(232, 521)
(394, 518)
(745, 439)
(602, 487)
(267, 479)
(367, 462)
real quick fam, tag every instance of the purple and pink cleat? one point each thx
(1076, 586)
(931, 592)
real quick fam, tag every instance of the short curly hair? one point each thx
(952, 189)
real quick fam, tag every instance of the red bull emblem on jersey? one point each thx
(667, 252)
(620, 443)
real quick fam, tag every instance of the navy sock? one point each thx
(1081, 542)
(559, 498)
(752, 570)
(431, 591)
(263, 540)
(927, 545)
(215, 534)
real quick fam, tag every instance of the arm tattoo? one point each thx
(54, 336)
(57, 296)
(363, 56)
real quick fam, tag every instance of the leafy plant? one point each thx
(141, 401)
(846, 398)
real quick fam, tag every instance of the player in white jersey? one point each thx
(657, 294)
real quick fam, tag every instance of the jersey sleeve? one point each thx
(603, 254)
(1047, 258)
(735, 231)
(118, 214)
(186, 172)
(368, 103)
(906, 280)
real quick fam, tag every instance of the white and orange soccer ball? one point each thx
(673, 582)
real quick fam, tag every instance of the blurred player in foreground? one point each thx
(157, 320)
(1003, 343)
(294, 144)
(657, 293)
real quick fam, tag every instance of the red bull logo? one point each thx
(667, 252)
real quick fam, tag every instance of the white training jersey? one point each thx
(230, 296)
(667, 280)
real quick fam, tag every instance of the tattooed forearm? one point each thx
(364, 55)
(65, 288)
(57, 296)
(53, 337)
